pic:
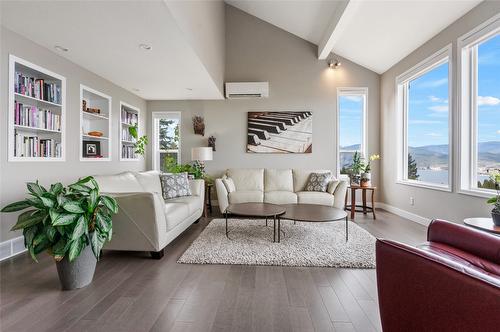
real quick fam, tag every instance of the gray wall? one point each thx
(428, 203)
(258, 51)
(15, 174)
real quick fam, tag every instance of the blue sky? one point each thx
(351, 110)
(428, 102)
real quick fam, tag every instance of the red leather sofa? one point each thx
(449, 283)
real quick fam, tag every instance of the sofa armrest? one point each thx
(140, 222)
(222, 195)
(465, 238)
(197, 187)
(339, 195)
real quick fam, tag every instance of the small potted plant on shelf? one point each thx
(366, 176)
(357, 166)
(495, 200)
(70, 223)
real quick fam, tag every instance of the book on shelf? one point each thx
(128, 152)
(35, 117)
(34, 146)
(37, 88)
(129, 117)
(126, 135)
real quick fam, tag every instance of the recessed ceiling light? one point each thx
(146, 47)
(60, 48)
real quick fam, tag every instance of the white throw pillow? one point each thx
(332, 186)
(229, 184)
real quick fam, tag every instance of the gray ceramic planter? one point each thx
(78, 273)
(496, 218)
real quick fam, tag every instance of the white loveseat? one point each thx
(146, 222)
(278, 186)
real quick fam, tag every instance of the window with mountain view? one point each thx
(166, 139)
(481, 108)
(352, 105)
(423, 95)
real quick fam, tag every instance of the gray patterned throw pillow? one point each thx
(318, 182)
(175, 185)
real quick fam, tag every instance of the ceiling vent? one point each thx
(240, 90)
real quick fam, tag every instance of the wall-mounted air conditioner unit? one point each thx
(247, 90)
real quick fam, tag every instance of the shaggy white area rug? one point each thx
(303, 244)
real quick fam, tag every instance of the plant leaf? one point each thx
(35, 188)
(80, 187)
(29, 234)
(39, 238)
(51, 232)
(103, 222)
(73, 207)
(96, 242)
(47, 202)
(31, 250)
(16, 206)
(56, 188)
(110, 203)
(84, 180)
(79, 230)
(94, 183)
(492, 200)
(36, 202)
(60, 248)
(92, 201)
(65, 219)
(28, 219)
(75, 249)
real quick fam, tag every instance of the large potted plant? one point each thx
(366, 176)
(495, 200)
(71, 223)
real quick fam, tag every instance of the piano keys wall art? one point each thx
(280, 132)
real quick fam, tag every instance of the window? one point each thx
(424, 112)
(480, 107)
(166, 135)
(351, 105)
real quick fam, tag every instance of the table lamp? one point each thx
(201, 154)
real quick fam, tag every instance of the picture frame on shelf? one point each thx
(92, 149)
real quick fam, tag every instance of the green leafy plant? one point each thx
(495, 200)
(170, 165)
(358, 164)
(63, 220)
(140, 142)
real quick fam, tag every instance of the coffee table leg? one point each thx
(274, 229)
(225, 213)
(266, 221)
(346, 229)
(279, 229)
(353, 203)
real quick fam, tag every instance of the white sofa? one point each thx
(146, 222)
(278, 186)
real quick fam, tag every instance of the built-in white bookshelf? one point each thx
(129, 117)
(95, 117)
(37, 112)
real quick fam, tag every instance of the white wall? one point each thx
(14, 175)
(428, 203)
(258, 51)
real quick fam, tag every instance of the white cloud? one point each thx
(438, 100)
(487, 100)
(434, 83)
(439, 108)
(433, 135)
(498, 132)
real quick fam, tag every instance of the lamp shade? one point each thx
(201, 153)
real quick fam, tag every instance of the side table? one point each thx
(362, 208)
(484, 224)
(208, 199)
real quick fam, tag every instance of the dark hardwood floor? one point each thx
(132, 292)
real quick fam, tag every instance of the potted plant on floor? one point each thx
(495, 200)
(71, 223)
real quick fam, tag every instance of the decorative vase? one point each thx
(496, 218)
(355, 179)
(80, 272)
(366, 179)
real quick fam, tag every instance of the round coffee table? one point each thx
(315, 213)
(256, 210)
(484, 224)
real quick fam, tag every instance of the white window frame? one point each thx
(467, 60)
(353, 91)
(155, 125)
(442, 56)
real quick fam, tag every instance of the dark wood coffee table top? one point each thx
(312, 213)
(255, 209)
(485, 224)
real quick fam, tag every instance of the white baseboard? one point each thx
(405, 214)
(12, 248)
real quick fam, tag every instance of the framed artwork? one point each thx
(91, 149)
(279, 132)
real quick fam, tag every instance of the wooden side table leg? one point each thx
(373, 204)
(210, 199)
(353, 202)
(363, 192)
(205, 214)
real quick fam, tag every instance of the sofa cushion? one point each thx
(246, 196)
(315, 197)
(247, 179)
(175, 185)
(301, 176)
(193, 202)
(332, 186)
(280, 197)
(125, 182)
(318, 182)
(150, 181)
(278, 180)
(229, 184)
(175, 213)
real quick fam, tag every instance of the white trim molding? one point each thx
(12, 247)
(405, 214)
(156, 151)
